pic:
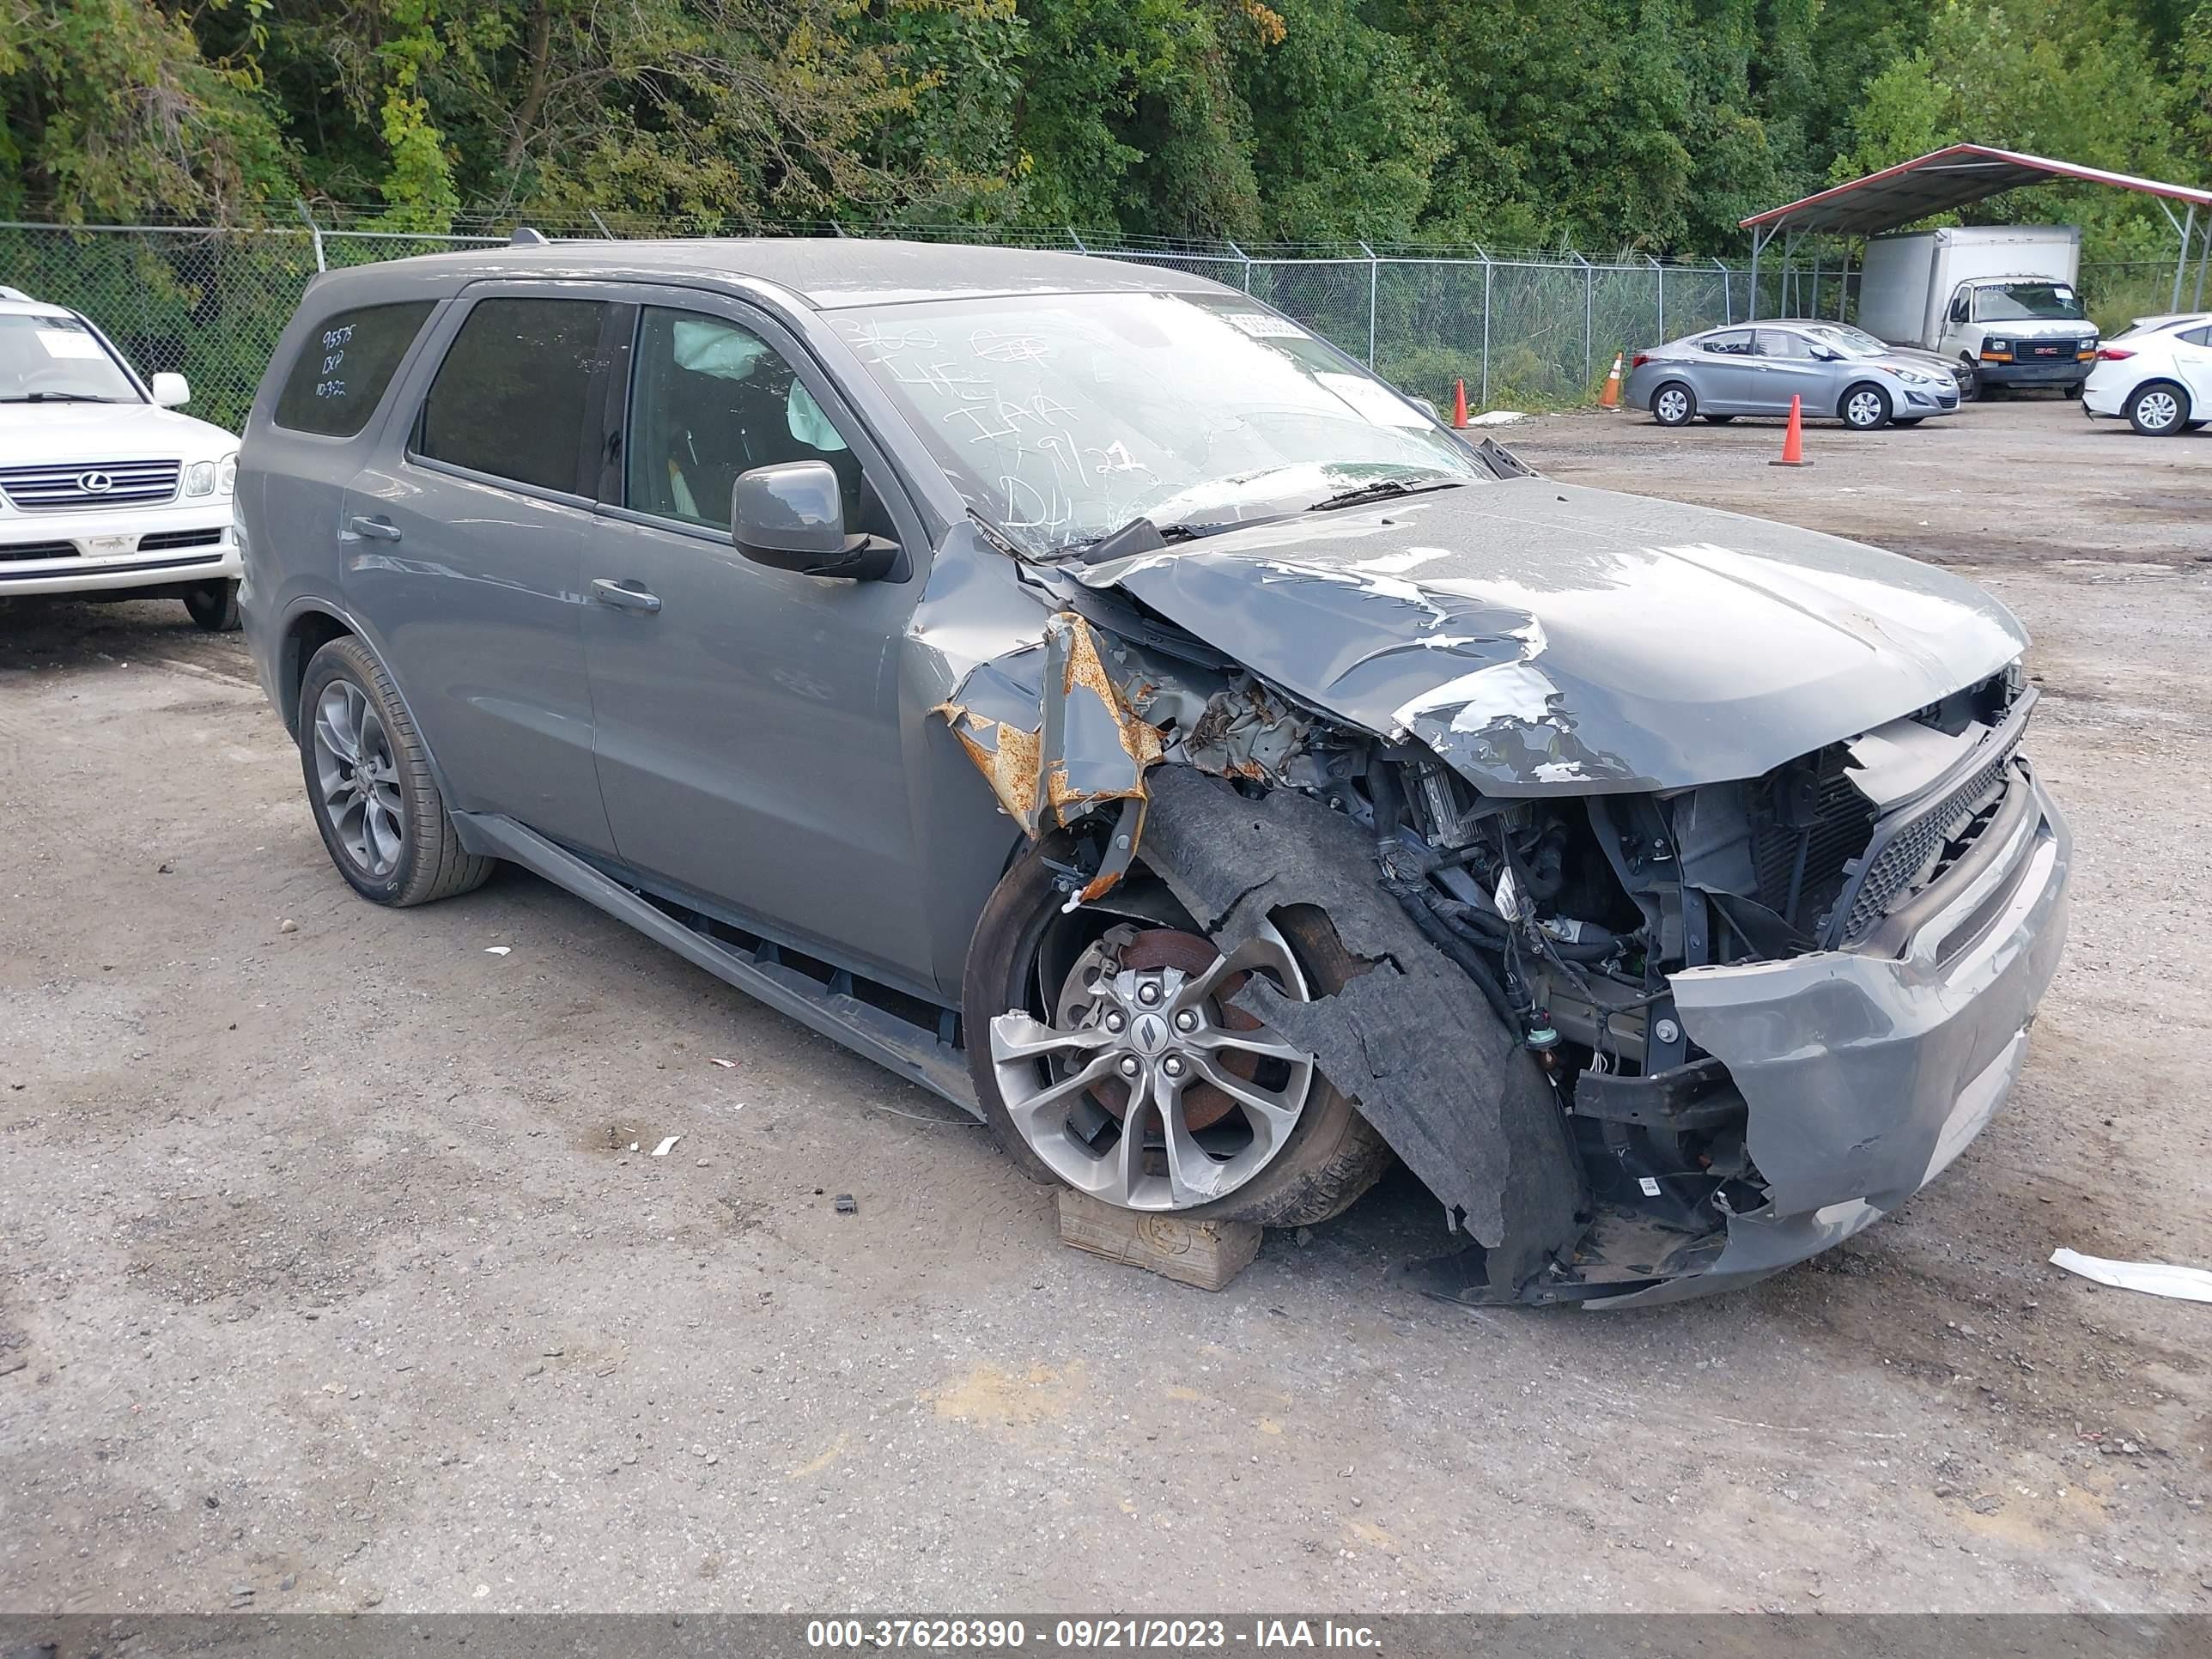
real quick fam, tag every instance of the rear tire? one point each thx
(370, 787)
(214, 605)
(1673, 404)
(1970, 381)
(1864, 407)
(2159, 409)
(1331, 1156)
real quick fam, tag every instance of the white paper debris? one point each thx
(727, 1065)
(662, 1151)
(2153, 1278)
(497, 950)
(1499, 418)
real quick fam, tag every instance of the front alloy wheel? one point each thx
(1866, 409)
(1149, 1089)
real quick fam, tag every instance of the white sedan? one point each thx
(2157, 376)
(106, 490)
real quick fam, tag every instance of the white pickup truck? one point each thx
(1998, 301)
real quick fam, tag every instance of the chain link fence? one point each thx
(1518, 329)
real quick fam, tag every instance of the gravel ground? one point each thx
(338, 1275)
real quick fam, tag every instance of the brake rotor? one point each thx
(1204, 1104)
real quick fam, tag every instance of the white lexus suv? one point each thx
(106, 490)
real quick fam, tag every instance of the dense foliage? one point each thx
(1645, 123)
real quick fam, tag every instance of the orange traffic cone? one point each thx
(1610, 398)
(1459, 405)
(1793, 440)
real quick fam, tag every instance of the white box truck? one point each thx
(1997, 301)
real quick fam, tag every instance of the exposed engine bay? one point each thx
(1583, 921)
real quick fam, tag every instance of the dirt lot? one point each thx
(331, 1275)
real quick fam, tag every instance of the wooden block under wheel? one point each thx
(1206, 1253)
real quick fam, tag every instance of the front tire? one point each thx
(1864, 408)
(1970, 381)
(1673, 404)
(370, 787)
(214, 605)
(1051, 986)
(2158, 410)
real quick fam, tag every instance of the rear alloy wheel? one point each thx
(1673, 404)
(2158, 410)
(214, 605)
(1109, 1055)
(369, 785)
(1865, 409)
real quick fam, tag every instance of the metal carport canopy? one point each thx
(1951, 177)
(1938, 183)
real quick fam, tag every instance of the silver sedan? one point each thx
(1756, 369)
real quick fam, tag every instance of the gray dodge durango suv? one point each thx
(1081, 688)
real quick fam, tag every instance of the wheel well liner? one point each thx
(305, 634)
(1428, 1063)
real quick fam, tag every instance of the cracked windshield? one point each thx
(1063, 417)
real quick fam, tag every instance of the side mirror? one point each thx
(171, 391)
(791, 516)
(1827, 353)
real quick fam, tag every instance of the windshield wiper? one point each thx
(57, 397)
(1382, 489)
(1141, 535)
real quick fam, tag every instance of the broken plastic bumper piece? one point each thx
(1865, 1072)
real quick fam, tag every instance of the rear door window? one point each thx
(341, 373)
(512, 396)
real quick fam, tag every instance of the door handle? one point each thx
(624, 596)
(375, 530)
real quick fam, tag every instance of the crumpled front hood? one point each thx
(1543, 637)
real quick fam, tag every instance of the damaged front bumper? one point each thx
(1866, 1071)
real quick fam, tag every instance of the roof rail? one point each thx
(523, 236)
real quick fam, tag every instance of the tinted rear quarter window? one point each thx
(341, 373)
(510, 397)
(2198, 336)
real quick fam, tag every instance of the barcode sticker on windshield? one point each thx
(1262, 326)
(1375, 400)
(64, 342)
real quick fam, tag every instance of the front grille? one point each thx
(80, 484)
(167, 539)
(39, 551)
(1908, 849)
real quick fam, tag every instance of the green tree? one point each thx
(113, 112)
